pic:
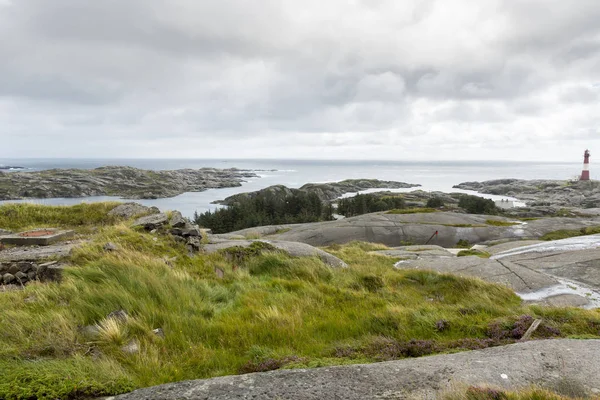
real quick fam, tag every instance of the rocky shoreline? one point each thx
(126, 182)
(325, 191)
(539, 192)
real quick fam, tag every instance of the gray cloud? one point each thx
(280, 77)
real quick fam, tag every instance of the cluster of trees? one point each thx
(368, 203)
(477, 205)
(266, 210)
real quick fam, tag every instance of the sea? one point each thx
(432, 175)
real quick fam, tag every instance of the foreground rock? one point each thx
(125, 182)
(402, 229)
(584, 194)
(325, 191)
(558, 273)
(553, 364)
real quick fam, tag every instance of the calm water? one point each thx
(433, 176)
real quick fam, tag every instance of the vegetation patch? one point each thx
(495, 222)
(477, 205)
(568, 233)
(22, 216)
(412, 211)
(463, 244)
(473, 252)
(491, 393)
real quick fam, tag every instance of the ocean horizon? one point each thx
(432, 175)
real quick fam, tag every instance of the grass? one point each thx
(495, 222)
(22, 216)
(473, 252)
(268, 311)
(412, 211)
(568, 233)
(531, 393)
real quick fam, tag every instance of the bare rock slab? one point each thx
(539, 362)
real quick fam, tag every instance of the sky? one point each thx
(311, 79)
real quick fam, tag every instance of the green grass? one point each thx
(472, 252)
(268, 311)
(494, 222)
(21, 216)
(530, 393)
(412, 211)
(568, 233)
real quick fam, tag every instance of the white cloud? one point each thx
(281, 78)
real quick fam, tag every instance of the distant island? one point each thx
(127, 182)
(10, 167)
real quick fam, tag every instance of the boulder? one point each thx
(151, 221)
(21, 277)
(110, 246)
(119, 315)
(177, 220)
(193, 244)
(8, 279)
(191, 230)
(130, 210)
(25, 266)
(131, 348)
(13, 269)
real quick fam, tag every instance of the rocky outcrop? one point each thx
(550, 363)
(181, 228)
(125, 182)
(22, 272)
(584, 194)
(130, 210)
(325, 191)
(294, 249)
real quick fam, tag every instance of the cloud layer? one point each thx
(311, 79)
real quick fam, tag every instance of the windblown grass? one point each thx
(19, 216)
(268, 311)
(491, 393)
(568, 233)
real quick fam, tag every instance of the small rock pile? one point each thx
(181, 228)
(21, 272)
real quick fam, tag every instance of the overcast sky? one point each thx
(370, 79)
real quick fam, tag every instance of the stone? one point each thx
(119, 315)
(4, 232)
(191, 230)
(8, 279)
(177, 220)
(21, 277)
(159, 332)
(53, 273)
(13, 269)
(31, 275)
(177, 232)
(25, 266)
(193, 244)
(151, 221)
(90, 331)
(219, 272)
(110, 246)
(131, 348)
(3, 268)
(130, 210)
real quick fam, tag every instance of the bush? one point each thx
(435, 202)
(368, 203)
(477, 205)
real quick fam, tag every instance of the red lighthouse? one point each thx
(585, 174)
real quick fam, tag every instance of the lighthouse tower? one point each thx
(585, 174)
